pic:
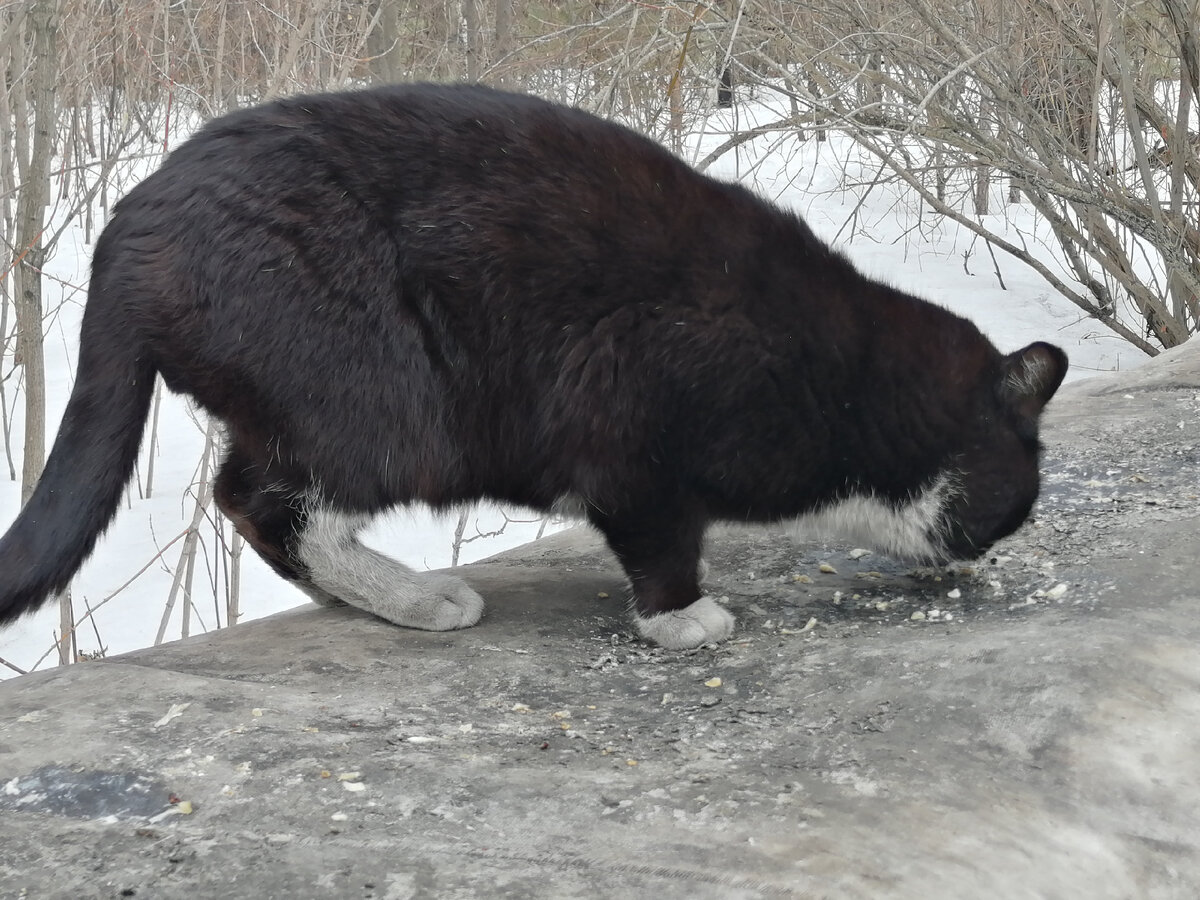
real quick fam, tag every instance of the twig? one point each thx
(15, 668)
(995, 265)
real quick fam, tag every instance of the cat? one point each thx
(439, 294)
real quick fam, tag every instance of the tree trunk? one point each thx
(474, 38)
(383, 45)
(983, 182)
(1183, 301)
(504, 41)
(983, 172)
(37, 97)
(67, 648)
(35, 110)
(675, 103)
(233, 602)
(725, 87)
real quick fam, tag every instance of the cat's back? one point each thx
(426, 156)
(377, 140)
(478, 211)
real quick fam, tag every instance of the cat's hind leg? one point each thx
(339, 564)
(316, 548)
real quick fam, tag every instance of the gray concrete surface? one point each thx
(1027, 727)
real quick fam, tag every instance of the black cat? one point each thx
(433, 294)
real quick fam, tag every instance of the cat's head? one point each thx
(990, 488)
(985, 487)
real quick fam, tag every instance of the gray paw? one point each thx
(448, 603)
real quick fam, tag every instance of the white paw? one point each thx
(703, 622)
(449, 604)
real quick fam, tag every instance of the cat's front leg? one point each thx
(659, 547)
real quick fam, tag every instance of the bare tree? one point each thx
(34, 106)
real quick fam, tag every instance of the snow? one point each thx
(881, 227)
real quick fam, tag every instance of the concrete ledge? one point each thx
(1028, 728)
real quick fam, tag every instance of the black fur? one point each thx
(439, 294)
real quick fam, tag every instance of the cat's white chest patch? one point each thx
(908, 531)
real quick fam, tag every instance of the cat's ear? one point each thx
(1030, 378)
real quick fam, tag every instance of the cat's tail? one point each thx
(91, 461)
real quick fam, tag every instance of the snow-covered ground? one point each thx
(883, 229)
